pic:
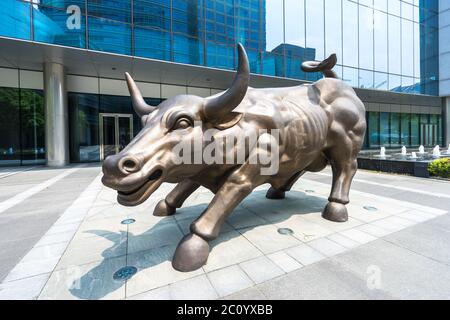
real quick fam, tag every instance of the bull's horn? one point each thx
(220, 108)
(139, 105)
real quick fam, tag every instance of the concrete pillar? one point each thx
(56, 115)
(446, 121)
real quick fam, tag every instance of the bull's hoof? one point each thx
(336, 212)
(162, 209)
(191, 254)
(275, 194)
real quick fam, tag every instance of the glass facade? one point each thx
(22, 126)
(381, 44)
(85, 112)
(394, 130)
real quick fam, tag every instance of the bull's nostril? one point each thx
(130, 165)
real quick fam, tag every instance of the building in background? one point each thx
(63, 97)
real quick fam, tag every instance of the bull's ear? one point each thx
(219, 109)
(139, 105)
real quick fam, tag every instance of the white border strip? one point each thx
(11, 202)
(27, 279)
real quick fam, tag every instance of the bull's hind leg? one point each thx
(175, 198)
(344, 166)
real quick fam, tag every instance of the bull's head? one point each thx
(139, 169)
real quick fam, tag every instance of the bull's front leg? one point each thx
(175, 199)
(193, 250)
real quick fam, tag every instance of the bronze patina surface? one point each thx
(318, 124)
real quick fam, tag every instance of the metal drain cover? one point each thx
(124, 273)
(285, 231)
(370, 208)
(128, 221)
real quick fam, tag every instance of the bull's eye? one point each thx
(183, 123)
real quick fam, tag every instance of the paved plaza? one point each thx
(63, 236)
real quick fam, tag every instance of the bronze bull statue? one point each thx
(321, 123)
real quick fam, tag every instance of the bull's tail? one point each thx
(325, 66)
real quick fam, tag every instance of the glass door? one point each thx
(116, 132)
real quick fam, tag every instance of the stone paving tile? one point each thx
(203, 289)
(229, 280)
(267, 239)
(374, 230)
(90, 281)
(404, 274)
(100, 248)
(343, 240)
(327, 247)
(305, 254)
(32, 268)
(250, 294)
(162, 293)
(358, 236)
(261, 269)
(162, 234)
(416, 216)
(230, 248)
(305, 230)
(284, 261)
(154, 270)
(24, 289)
(432, 242)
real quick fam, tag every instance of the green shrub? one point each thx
(440, 168)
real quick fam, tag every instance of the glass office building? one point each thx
(387, 49)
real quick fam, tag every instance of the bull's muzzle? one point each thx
(125, 174)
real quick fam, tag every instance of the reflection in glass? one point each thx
(32, 126)
(51, 26)
(350, 34)
(110, 36)
(395, 42)
(373, 129)
(15, 19)
(394, 130)
(415, 133)
(384, 129)
(315, 27)
(366, 31)
(405, 136)
(9, 126)
(84, 126)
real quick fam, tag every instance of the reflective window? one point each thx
(394, 130)
(366, 32)
(380, 41)
(83, 127)
(118, 10)
(373, 132)
(15, 17)
(384, 129)
(109, 35)
(32, 126)
(394, 39)
(54, 25)
(350, 33)
(333, 35)
(395, 42)
(22, 126)
(315, 27)
(9, 126)
(405, 136)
